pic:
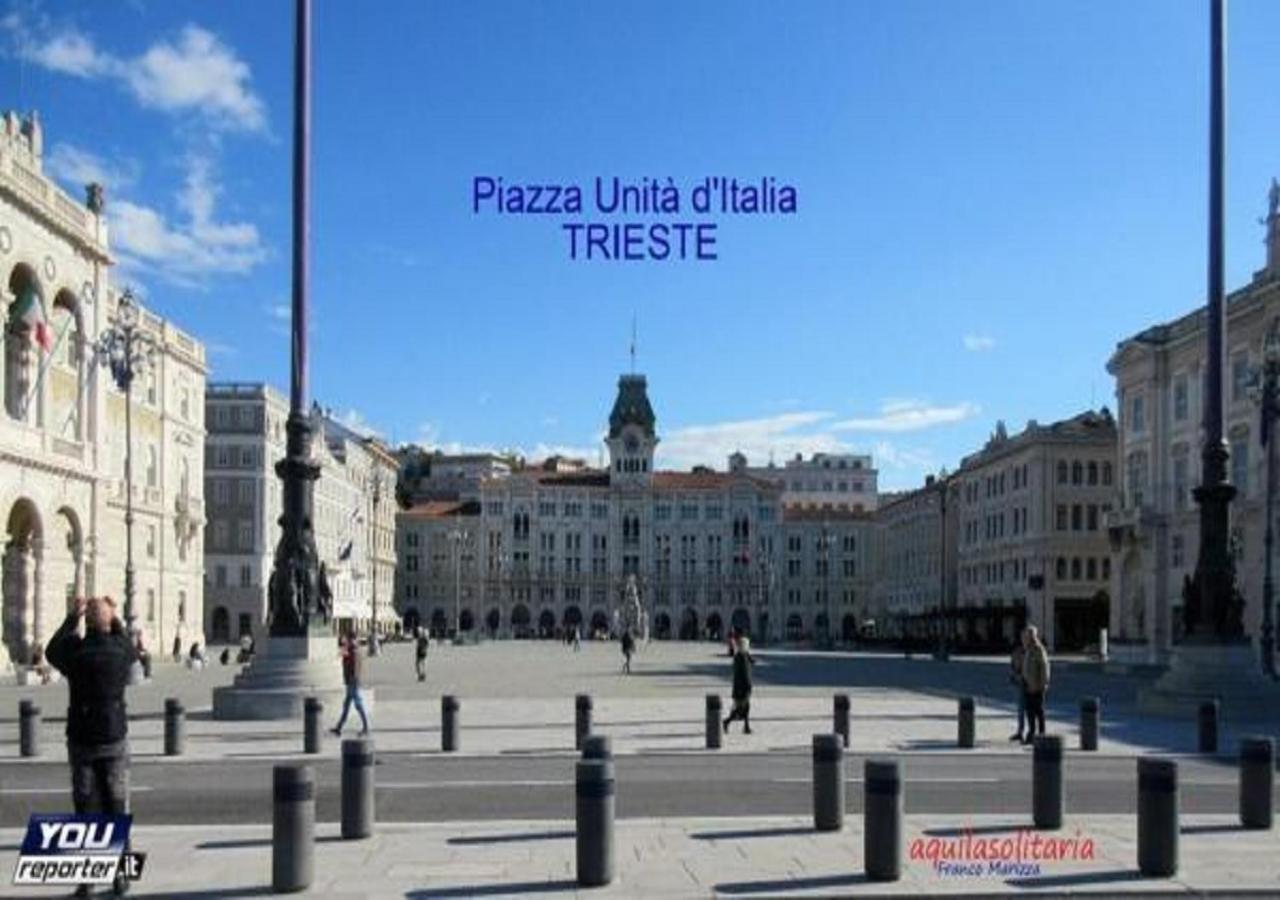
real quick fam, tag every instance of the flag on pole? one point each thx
(30, 311)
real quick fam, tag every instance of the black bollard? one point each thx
(312, 711)
(1208, 727)
(449, 707)
(1046, 781)
(293, 828)
(146, 666)
(1257, 781)
(828, 782)
(1157, 817)
(581, 720)
(175, 727)
(715, 727)
(842, 718)
(882, 820)
(28, 728)
(965, 736)
(595, 806)
(357, 788)
(1089, 710)
(597, 746)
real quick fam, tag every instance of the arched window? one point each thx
(1077, 472)
(1062, 471)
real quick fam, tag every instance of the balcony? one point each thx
(188, 507)
(1131, 524)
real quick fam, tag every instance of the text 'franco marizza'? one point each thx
(650, 219)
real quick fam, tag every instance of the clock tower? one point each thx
(632, 435)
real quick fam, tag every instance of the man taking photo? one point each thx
(97, 668)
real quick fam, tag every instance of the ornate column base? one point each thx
(1204, 670)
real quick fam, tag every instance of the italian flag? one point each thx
(28, 309)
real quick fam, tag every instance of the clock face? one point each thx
(632, 443)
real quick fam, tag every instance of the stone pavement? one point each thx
(518, 698)
(685, 858)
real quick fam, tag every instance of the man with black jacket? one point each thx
(97, 668)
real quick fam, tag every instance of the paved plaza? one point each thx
(496, 817)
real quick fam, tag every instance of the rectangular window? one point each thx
(1137, 415)
(1180, 399)
(1062, 517)
(1240, 466)
(1240, 376)
(246, 576)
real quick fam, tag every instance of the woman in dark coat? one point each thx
(742, 663)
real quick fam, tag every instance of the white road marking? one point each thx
(925, 780)
(427, 785)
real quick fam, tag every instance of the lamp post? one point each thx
(373, 566)
(1267, 394)
(459, 536)
(125, 348)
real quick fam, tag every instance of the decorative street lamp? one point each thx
(459, 536)
(1267, 395)
(125, 349)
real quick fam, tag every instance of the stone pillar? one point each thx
(18, 563)
(38, 635)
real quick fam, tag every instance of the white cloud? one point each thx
(779, 436)
(196, 73)
(979, 343)
(75, 168)
(355, 420)
(185, 252)
(908, 415)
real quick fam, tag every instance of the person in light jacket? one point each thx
(1035, 675)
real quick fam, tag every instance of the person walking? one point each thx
(628, 648)
(1016, 660)
(96, 667)
(351, 670)
(420, 653)
(1035, 675)
(742, 663)
(577, 639)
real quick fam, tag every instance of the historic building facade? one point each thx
(553, 546)
(1032, 542)
(354, 512)
(839, 481)
(915, 554)
(1155, 529)
(62, 434)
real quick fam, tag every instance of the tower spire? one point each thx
(633, 343)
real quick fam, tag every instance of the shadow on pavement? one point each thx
(960, 831)
(482, 839)
(788, 831)
(1215, 828)
(495, 890)
(254, 891)
(1078, 879)
(793, 884)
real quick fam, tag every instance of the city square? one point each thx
(536, 609)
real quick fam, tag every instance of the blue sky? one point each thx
(991, 195)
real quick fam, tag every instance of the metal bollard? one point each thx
(595, 806)
(28, 728)
(842, 717)
(1157, 817)
(175, 727)
(581, 720)
(828, 782)
(1208, 727)
(965, 736)
(293, 828)
(715, 727)
(449, 707)
(1257, 781)
(1089, 714)
(597, 746)
(312, 711)
(1046, 781)
(882, 819)
(357, 788)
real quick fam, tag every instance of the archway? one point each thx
(763, 627)
(64, 563)
(572, 617)
(65, 373)
(22, 564)
(492, 621)
(546, 623)
(599, 624)
(795, 627)
(466, 621)
(715, 627)
(689, 626)
(439, 623)
(412, 620)
(520, 621)
(741, 621)
(662, 627)
(21, 353)
(220, 628)
(849, 628)
(246, 625)
(821, 625)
